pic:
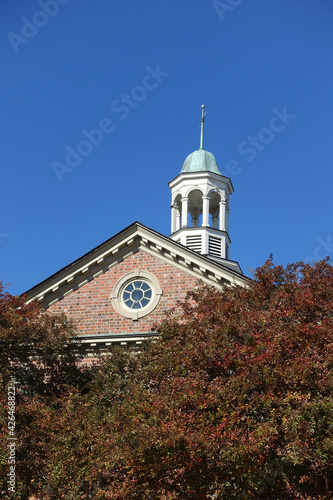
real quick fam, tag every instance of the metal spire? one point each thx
(202, 125)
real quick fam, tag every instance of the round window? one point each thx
(136, 294)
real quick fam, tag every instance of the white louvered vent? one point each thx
(194, 243)
(214, 246)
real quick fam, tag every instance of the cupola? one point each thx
(200, 205)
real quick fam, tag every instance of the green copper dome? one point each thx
(200, 161)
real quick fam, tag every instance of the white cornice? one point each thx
(135, 237)
(196, 176)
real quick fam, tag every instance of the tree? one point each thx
(233, 401)
(38, 368)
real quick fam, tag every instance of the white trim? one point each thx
(115, 250)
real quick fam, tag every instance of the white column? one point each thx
(195, 222)
(227, 220)
(215, 222)
(222, 215)
(177, 220)
(173, 218)
(184, 212)
(205, 211)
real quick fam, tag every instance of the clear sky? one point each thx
(101, 104)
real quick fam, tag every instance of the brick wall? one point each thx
(92, 307)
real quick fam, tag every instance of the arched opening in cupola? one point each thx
(195, 208)
(214, 209)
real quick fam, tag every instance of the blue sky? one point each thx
(138, 72)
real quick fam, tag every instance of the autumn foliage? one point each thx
(37, 351)
(233, 401)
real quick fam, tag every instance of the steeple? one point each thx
(202, 126)
(201, 160)
(200, 205)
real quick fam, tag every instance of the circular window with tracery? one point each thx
(136, 294)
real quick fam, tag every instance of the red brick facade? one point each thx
(92, 307)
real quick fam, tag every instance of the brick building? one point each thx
(120, 289)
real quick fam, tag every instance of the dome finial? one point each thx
(202, 125)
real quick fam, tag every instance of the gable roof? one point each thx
(127, 242)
